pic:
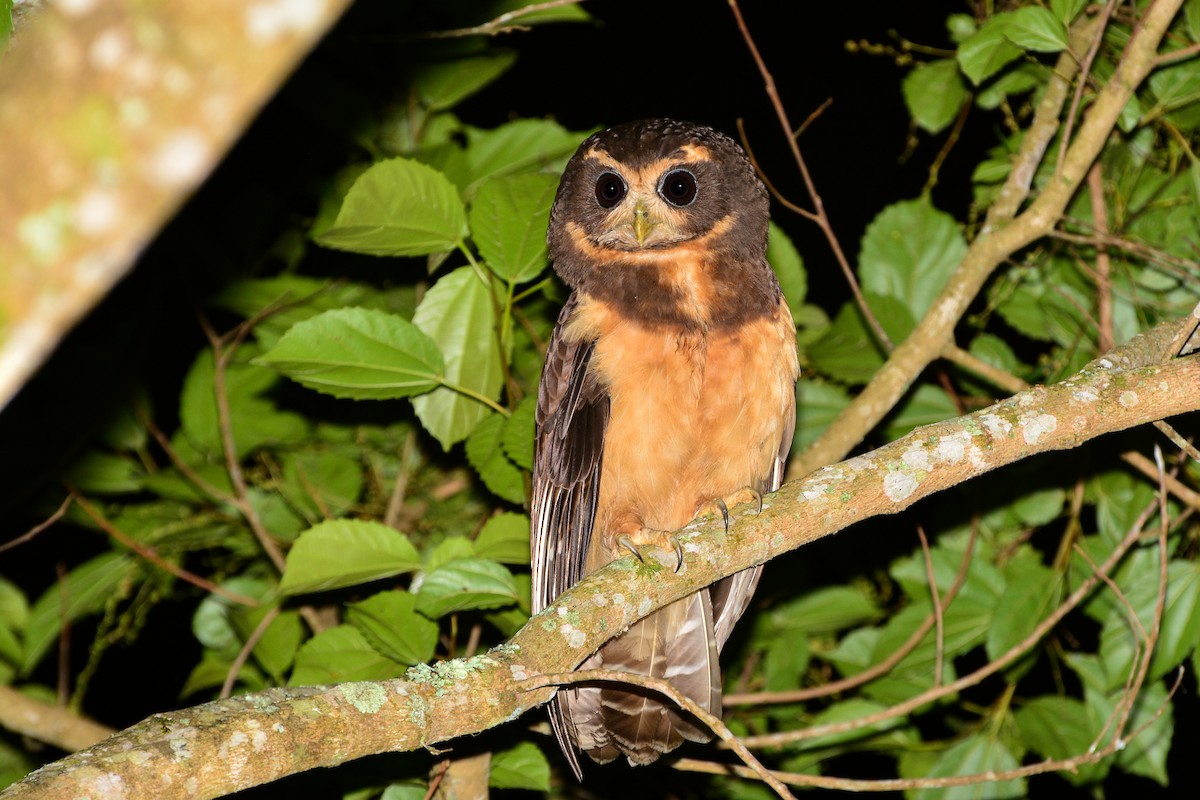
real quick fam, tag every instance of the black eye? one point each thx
(609, 189)
(678, 188)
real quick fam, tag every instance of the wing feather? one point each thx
(572, 418)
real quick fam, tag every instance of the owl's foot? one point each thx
(662, 546)
(720, 506)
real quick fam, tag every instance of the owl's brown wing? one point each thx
(572, 417)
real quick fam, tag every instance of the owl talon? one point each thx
(656, 550)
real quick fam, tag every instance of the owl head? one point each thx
(645, 189)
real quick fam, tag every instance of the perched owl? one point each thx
(668, 392)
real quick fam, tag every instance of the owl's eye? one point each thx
(609, 189)
(678, 188)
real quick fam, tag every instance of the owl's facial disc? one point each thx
(645, 210)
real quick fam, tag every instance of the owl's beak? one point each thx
(643, 225)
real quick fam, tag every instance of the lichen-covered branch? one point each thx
(229, 745)
(113, 113)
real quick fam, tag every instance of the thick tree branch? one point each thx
(113, 113)
(999, 241)
(225, 746)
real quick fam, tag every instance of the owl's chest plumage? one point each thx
(696, 413)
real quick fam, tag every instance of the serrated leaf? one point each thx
(517, 437)
(1058, 728)
(391, 624)
(825, 610)
(457, 313)
(1067, 10)
(339, 655)
(277, 646)
(486, 456)
(85, 590)
(987, 51)
(522, 766)
(1036, 28)
(508, 218)
(909, 252)
(445, 84)
(447, 550)
(321, 483)
(464, 584)
(345, 552)
(504, 538)
(785, 260)
(398, 207)
(934, 93)
(847, 350)
(1031, 592)
(520, 146)
(1146, 753)
(976, 755)
(358, 353)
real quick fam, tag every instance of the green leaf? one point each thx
(976, 755)
(100, 472)
(339, 655)
(817, 405)
(254, 420)
(277, 647)
(486, 456)
(346, 552)
(1031, 592)
(524, 145)
(321, 483)
(988, 50)
(934, 92)
(390, 622)
(358, 353)
(527, 14)
(504, 538)
(1067, 10)
(457, 313)
(14, 608)
(463, 584)
(447, 550)
(212, 623)
(517, 437)
(509, 217)
(832, 608)
(785, 259)
(1180, 626)
(1036, 28)
(398, 207)
(1146, 753)
(923, 406)
(446, 84)
(908, 253)
(522, 766)
(85, 590)
(1058, 728)
(847, 350)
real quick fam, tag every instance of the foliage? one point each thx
(405, 528)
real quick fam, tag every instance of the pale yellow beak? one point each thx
(642, 224)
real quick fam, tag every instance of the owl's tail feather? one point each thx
(677, 643)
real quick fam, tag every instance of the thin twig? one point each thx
(251, 642)
(995, 665)
(1085, 69)
(821, 217)
(951, 139)
(937, 608)
(712, 721)
(400, 487)
(41, 526)
(883, 667)
(149, 554)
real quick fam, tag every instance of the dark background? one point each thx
(639, 59)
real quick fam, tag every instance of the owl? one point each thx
(668, 393)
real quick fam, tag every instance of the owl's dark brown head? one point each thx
(667, 220)
(657, 184)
